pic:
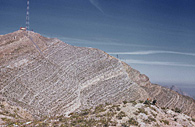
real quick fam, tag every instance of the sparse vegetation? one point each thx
(141, 101)
(163, 108)
(99, 109)
(85, 112)
(142, 110)
(118, 109)
(124, 102)
(154, 114)
(121, 115)
(100, 116)
(165, 122)
(152, 108)
(151, 119)
(133, 102)
(2, 106)
(177, 110)
(136, 113)
(132, 121)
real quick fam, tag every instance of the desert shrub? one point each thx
(124, 125)
(113, 123)
(63, 119)
(157, 125)
(109, 115)
(121, 115)
(104, 122)
(85, 112)
(142, 110)
(90, 122)
(118, 109)
(132, 121)
(44, 124)
(151, 119)
(136, 113)
(141, 101)
(2, 106)
(64, 125)
(147, 121)
(165, 122)
(114, 108)
(154, 114)
(163, 108)
(124, 102)
(152, 108)
(107, 103)
(99, 109)
(177, 110)
(6, 120)
(133, 102)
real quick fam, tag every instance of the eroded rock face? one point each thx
(61, 78)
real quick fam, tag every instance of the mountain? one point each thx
(47, 77)
(178, 90)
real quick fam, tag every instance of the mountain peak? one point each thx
(48, 77)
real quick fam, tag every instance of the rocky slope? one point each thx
(121, 115)
(48, 77)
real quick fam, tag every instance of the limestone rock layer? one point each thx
(49, 77)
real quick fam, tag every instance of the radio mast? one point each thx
(27, 16)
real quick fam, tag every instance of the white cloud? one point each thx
(96, 4)
(152, 52)
(132, 61)
(98, 41)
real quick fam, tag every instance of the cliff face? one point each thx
(49, 77)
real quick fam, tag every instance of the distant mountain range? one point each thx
(178, 90)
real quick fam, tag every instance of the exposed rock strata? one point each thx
(64, 78)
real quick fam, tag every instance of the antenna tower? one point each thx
(27, 16)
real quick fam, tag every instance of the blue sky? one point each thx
(155, 37)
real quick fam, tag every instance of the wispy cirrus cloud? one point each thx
(152, 52)
(102, 41)
(96, 4)
(132, 61)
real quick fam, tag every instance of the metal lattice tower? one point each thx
(27, 16)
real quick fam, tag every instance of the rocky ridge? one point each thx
(58, 78)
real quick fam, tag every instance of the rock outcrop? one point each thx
(48, 77)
